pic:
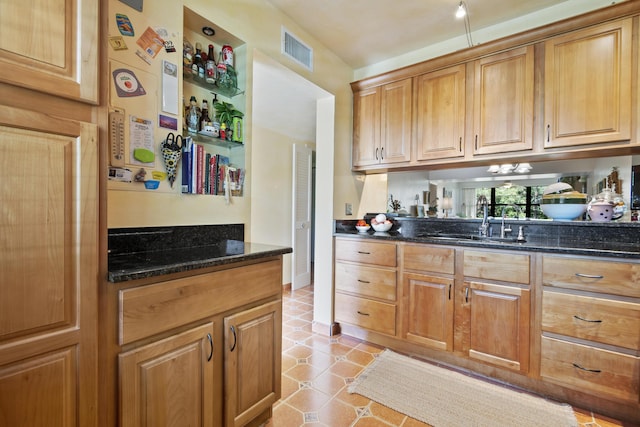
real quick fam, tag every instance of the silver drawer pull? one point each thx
(363, 281)
(364, 253)
(586, 320)
(589, 276)
(363, 314)
(595, 371)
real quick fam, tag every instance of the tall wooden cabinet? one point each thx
(588, 86)
(382, 125)
(49, 223)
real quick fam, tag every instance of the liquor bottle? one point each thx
(198, 65)
(210, 68)
(187, 54)
(204, 118)
(193, 119)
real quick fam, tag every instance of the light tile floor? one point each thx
(317, 369)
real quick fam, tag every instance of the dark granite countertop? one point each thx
(138, 253)
(615, 239)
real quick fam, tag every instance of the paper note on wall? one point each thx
(142, 150)
(169, 87)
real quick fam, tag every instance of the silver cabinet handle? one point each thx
(586, 320)
(466, 294)
(363, 281)
(210, 347)
(362, 314)
(377, 154)
(364, 253)
(235, 338)
(589, 276)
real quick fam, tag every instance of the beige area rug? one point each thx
(442, 398)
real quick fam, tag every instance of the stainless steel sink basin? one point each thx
(463, 237)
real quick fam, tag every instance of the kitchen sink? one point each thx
(468, 237)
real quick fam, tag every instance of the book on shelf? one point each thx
(206, 173)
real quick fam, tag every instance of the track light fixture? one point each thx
(463, 13)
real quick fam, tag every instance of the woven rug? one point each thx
(442, 398)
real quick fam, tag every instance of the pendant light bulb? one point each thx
(462, 11)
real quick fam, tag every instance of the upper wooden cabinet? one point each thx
(587, 86)
(382, 124)
(503, 102)
(53, 51)
(440, 113)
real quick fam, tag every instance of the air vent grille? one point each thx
(297, 50)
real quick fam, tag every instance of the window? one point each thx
(506, 197)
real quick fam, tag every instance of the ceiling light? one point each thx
(509, 168)
(462, 11)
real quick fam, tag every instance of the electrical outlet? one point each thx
(348, 209)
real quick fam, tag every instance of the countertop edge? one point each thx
(118, 276)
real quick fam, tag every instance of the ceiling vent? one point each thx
(295, 49)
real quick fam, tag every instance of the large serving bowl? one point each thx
(385, 226)
(566, 206)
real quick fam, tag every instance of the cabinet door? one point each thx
(499, 324)
(366, 127)
(429, 317)
(54, 50)
(395, 122)
(48, 270)
(169, 382)
(503, 102)
(252, 362)
(587, 88)
(440, 114)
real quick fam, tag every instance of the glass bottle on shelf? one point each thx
(204, 118)
(210, 67)
(187, 54)
(193, 118)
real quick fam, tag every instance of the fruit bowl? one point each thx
(363, 228)
(385, 226)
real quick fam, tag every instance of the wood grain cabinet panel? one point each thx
(48, 267)
(374, 315)
(169, 382)
(585, 368)
(54, 50)
(592, 274)
(588, 85)
(499, 324)
(503, 102)
(508, 267)
(598, 319)
(432, 259)
(429, 315)
(366, 252)
(366, 281)
(440, 113)
(252, 354)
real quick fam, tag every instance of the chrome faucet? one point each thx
(504, 230)
(484, 227)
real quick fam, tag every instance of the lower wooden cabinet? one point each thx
(169, 382)
(499, 324)
(252, 353)
(200, 350)
(429, 315)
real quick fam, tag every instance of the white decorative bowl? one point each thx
(566, 211)
(385, 226)
(363, 228)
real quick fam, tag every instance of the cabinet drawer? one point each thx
(428, 258)
(149, 310)
(376, 253)
(508, 267)
(373, 315)
(366, 281)
(612, 277)
(590, 369)
(597, 319)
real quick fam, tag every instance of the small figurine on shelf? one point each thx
(223, 131)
